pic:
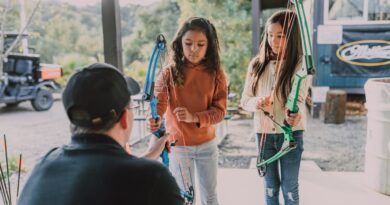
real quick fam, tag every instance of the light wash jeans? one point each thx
(184, 160)
(289, 169)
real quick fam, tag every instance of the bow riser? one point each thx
(294, 94)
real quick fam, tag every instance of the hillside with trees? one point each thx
(72, 36)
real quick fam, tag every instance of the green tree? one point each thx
(62, 29)
(160, 18)
(72, 35)
(128, 16)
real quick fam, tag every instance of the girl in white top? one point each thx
(268, 83)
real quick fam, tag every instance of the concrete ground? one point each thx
(245, 187)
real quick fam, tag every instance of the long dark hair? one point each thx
(212, 56)
(292, 52)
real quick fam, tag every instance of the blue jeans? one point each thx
(184, 160)
(289, 169)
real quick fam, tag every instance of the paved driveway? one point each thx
(32, 133)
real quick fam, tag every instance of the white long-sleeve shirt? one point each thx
(265, 85)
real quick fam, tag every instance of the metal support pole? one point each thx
(255, 26)
(112, 33)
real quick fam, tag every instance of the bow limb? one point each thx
(149, 92)
(305, 37)
(288, 145)
(307, 65)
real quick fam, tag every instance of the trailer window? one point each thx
(357, 12)
(378, 10)
(346, 10)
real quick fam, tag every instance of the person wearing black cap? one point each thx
(95, 167)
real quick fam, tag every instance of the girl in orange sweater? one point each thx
(192, 93)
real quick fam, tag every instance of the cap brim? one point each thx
(132, 85)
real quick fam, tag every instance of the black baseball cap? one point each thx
(97, 94)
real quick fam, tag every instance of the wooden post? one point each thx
(334, 107)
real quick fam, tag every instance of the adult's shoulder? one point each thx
(160, 182)
(154, 174)
(146, 166)
(52, 154)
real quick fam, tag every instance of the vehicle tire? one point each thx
(15, 104)
(43, 100)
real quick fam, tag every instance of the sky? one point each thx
(121, 2)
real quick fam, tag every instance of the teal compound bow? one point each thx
(291, 105)
(188, 195)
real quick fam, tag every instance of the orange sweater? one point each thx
(202, 93)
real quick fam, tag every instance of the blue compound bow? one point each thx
(188, 195)
(149, 92)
